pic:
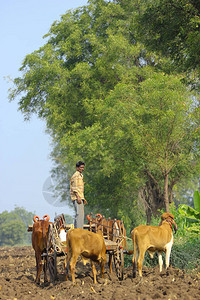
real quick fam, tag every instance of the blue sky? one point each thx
(24, 146)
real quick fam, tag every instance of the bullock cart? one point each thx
(56, 246)
(113, 237)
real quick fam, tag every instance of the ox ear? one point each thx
(175, 226)
(36, 219)
(46, 218)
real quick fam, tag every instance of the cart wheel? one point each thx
(119, 262)
(51, 254)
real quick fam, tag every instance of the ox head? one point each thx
(36, 218)
(170, 219)
(98, 216)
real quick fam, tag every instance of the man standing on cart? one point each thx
(77, 194)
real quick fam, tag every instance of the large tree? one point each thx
(147, 136)
(91, 84)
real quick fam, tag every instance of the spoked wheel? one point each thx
(119, 262)
(51, 254)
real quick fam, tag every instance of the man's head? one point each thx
(80, 166)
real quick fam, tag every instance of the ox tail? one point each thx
(68, 245)
(125, 242)
(69, 254)
(134, 254)
(44, 233)
(128, 252)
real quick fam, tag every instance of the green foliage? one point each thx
(13, 227)
(196, 198)
(192, 216)
(185, 253)
(173, 27)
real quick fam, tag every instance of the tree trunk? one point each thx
(165, 194)
(151, 198)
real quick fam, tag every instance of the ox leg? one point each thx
(110, 262)
(66, 268)
(134, 268)
(94, 271)
(102, 267)
(72, 265)
(134, 261)
(39, 267)
(45, 270)
(160, 260)
(140, 262)
(168, 252)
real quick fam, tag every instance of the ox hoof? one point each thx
(46, 283)
(102, 281)
(78, 282)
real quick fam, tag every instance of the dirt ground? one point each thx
(18, 271)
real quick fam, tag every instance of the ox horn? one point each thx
(36, 218)
(88, 217)
(46, 217)
(99, 215)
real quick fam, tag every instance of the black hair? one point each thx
(80, 163)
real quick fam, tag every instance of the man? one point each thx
(77, 194)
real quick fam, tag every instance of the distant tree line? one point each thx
(14, 225)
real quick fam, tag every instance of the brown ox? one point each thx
(151, 239)
(88, 245)
(39, 243)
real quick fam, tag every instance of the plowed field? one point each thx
(18, 271)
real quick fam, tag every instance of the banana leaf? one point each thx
(196, 198)
(190, 213)
(194, 228)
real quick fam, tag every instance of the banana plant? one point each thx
(192, 215)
